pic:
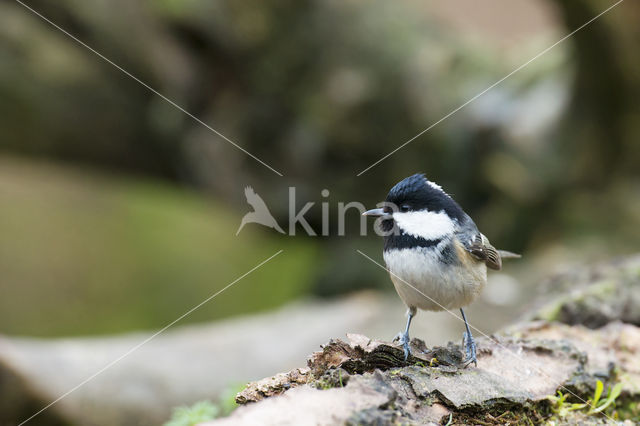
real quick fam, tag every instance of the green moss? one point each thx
(322, 384)
(599, 290)
(333, 378)
(500, 416)
(629, 411)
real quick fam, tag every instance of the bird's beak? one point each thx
(375, 212)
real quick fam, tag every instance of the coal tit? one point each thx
(436, 256)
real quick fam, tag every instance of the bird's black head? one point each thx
(418, 213)
(417, 193)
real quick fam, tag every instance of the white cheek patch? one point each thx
(425, 224)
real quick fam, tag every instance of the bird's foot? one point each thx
(404, 340)
(470, 348)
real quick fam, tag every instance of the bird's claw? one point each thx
(470, 349)
(403, 339)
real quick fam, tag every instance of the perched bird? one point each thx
(260, 213)
(436, 257)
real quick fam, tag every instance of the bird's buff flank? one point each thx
(433, 248)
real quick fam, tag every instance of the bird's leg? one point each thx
(403, 338)
(468, 343)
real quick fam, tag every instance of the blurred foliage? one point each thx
(320, 90)
(83, 254)
(190, 416)
(203, 411)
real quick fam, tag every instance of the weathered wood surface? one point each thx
(584, 330)
(363, 381)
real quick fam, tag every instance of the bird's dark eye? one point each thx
(405, 207)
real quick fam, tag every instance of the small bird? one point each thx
(260, 213)
(435, 254)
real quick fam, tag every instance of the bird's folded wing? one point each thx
(481, 249)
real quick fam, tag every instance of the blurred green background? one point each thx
(118, 211)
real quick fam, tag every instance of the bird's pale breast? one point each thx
(423, 281)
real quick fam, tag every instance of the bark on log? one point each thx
(361, 381)
(364, 381)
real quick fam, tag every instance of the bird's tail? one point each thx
(508, 255)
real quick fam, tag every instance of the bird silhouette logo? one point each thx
(260, 213)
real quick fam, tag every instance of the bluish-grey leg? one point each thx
(403, 338)
(468, 343)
